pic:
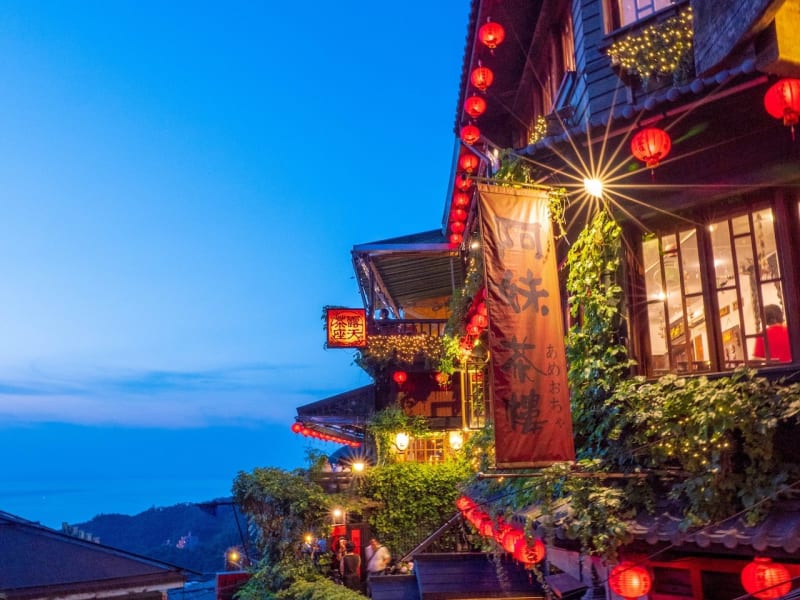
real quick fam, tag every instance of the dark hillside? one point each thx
(192, 536)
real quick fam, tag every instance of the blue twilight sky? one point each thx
(180, 187)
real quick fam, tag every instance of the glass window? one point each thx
(625, 12)
(679, 341)
(717, 311)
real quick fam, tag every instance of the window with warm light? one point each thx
(715, 296)
(620, 13)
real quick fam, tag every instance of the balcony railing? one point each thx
(432, 327)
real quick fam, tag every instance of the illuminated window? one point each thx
(625, 12)
(720, 308)
(429, 450)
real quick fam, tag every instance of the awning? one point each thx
(416, 273)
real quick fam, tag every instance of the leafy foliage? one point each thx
(717, 433)
(416, 499)
(596, 355)
(283, 507)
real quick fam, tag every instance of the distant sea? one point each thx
(54, 472)
(75, 501)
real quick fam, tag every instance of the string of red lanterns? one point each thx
(491, 35)
(300, 428)
(510, 538)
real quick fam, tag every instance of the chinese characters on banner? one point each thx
(347, 327)
(533, 424)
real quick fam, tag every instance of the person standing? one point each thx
(777, 336)
(351, 567)
(378, 558)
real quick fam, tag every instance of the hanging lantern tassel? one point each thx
(782, 101)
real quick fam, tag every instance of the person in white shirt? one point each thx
(378, 558)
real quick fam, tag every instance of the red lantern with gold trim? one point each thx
(491, 34)
(782, 101)
(456, 238)
(481, 78)
(457, 227)
(470, 134)
(651, 145)
(475, 106)
(468, 162)
(297, 427)
(765, 579)
(630, 580)
(461, 199)
(400, 377)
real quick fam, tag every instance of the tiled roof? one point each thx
(36, 562)
(777, 534)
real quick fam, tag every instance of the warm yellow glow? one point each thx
(309, 538)
(337, 513)
(358, 466)
(456, 440)
(401, 441)
(593, 187)
(233, 555)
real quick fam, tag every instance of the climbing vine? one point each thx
(596, 355)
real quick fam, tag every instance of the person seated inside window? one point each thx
(777, 336)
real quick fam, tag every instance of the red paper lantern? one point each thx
(440, 378)
(480, 320)
(463, 183)
(481, 78)
(400, 376)
(458, 214)
(457, 227)
(629, 580)
(468, 162)
(297, 427)
(475, 106)
(461, 199)
(482, 310)
(651, 145)
(782, 101)
(464, 503)
(470, 134)
(763, 578)
(487, 527)
(510, 539)
(456, 239)
(529, 554)
(473, 330)
(491, 34)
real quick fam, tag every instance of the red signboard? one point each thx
(229, 583)
(347, 327)
(533, 424)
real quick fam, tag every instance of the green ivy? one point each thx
(415, 498)
(596, 355)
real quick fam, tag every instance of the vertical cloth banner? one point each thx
(532, 419)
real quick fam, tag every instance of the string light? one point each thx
(657, 50)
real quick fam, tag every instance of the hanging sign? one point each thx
(532, 421)
(347, 327)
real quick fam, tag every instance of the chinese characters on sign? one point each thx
(533, 425)
(347, 328)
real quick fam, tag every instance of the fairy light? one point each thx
(538, 130)
(403, 348)
(658, 49)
